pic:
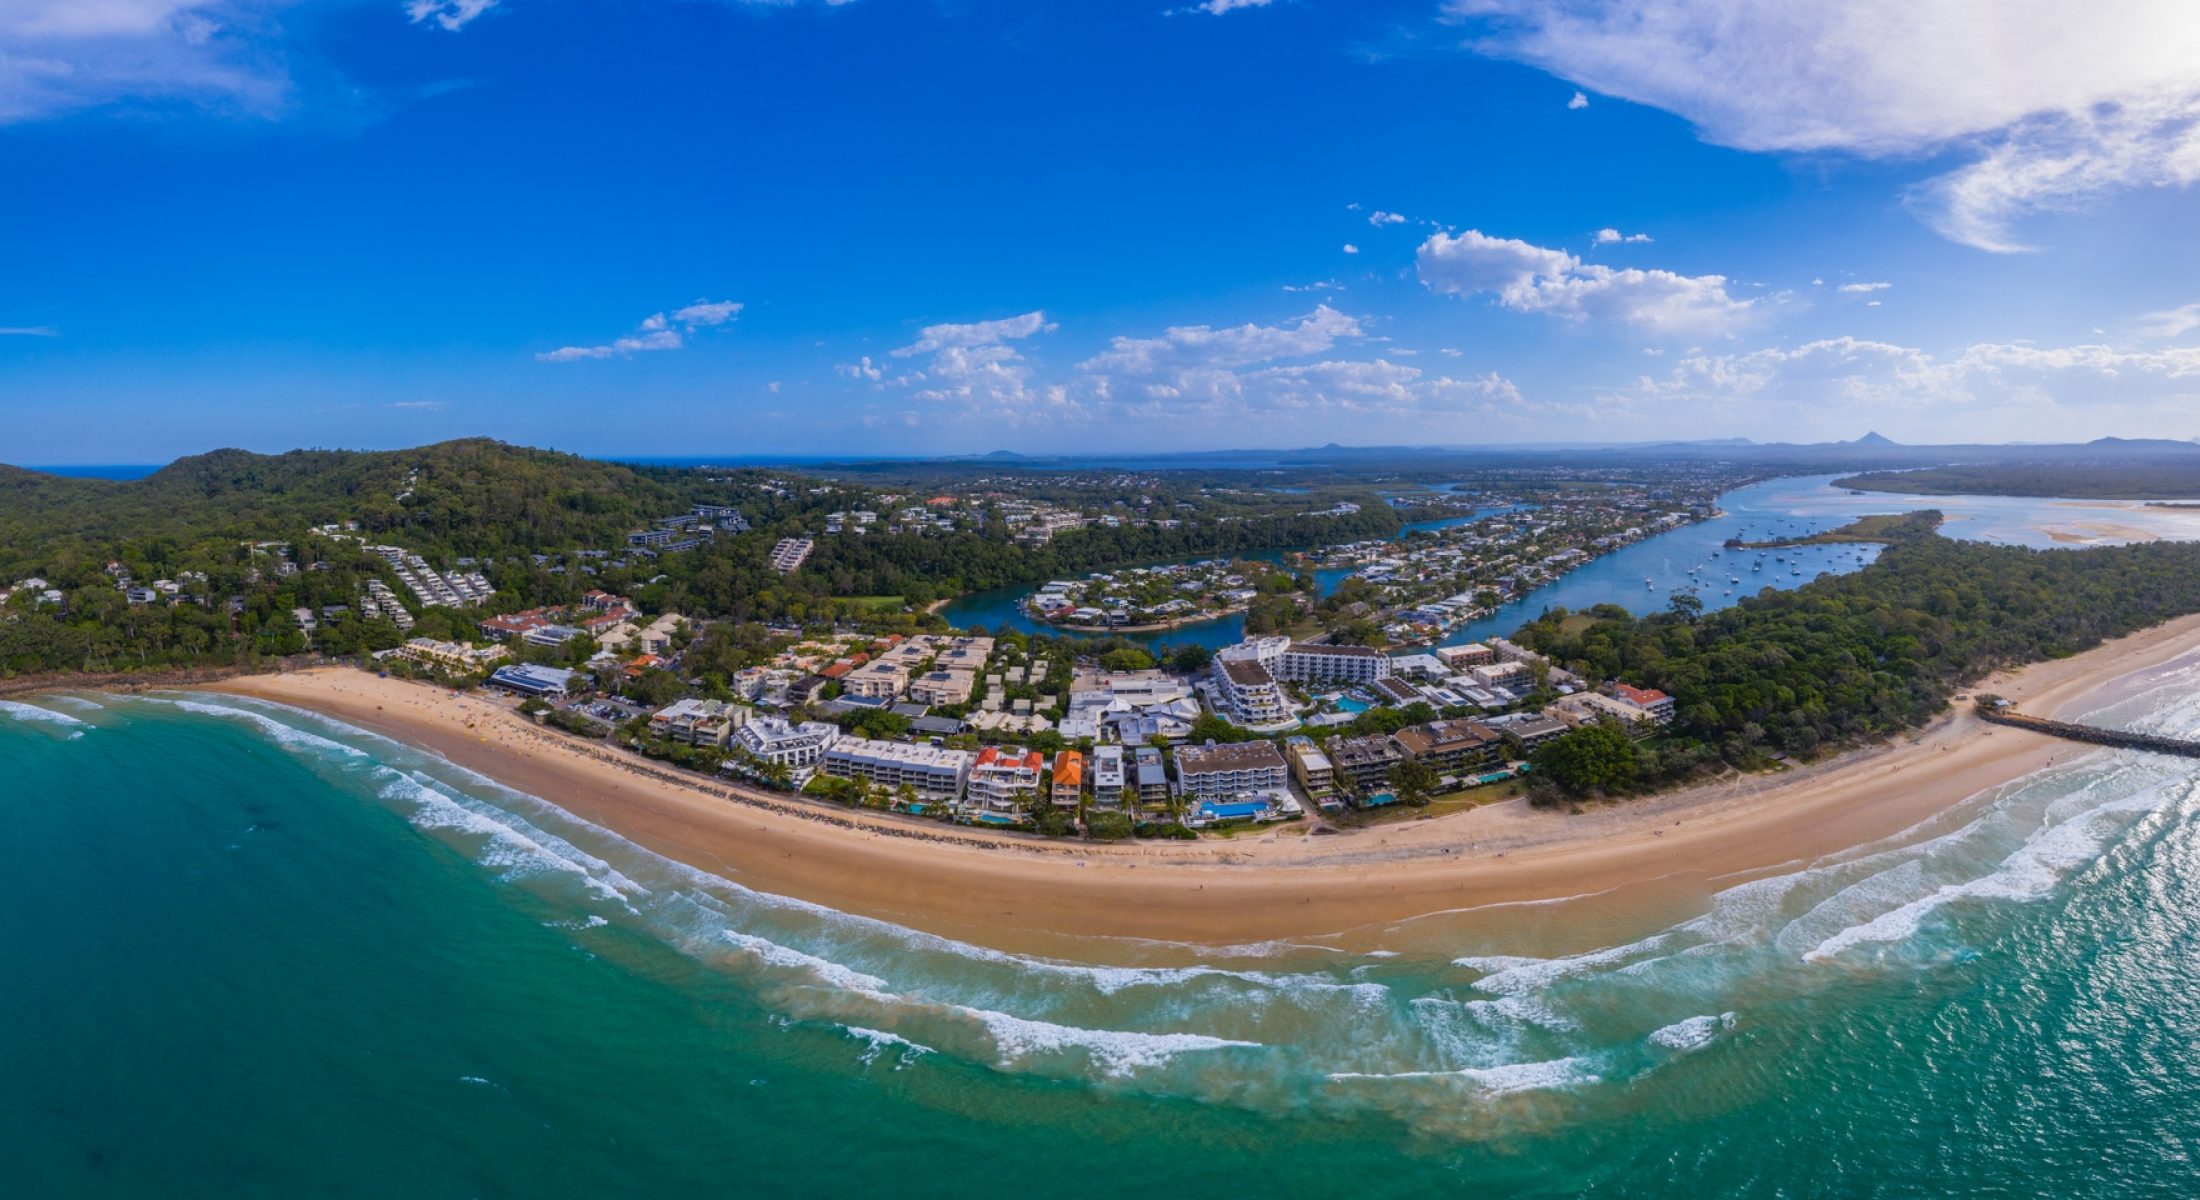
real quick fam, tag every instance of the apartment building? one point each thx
(698, 722)
(1451, 745)
(1003, 779)
(931, 772)
(779, 741)
(1365, 761)
(1233, 769)
(1107, 776)
(879, 680)
(1249, 693)
(1312, 768)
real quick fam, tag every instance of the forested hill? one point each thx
(1844, 659)
(474, 496)
(2106, 480)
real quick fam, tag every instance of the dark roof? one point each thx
(1246, 673)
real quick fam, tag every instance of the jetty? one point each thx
(2001, 714)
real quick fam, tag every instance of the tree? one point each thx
(1686, 605)
(1414, 781)
(1107, 826)
(1592, 759)
(1191, 658)
(1128, 658)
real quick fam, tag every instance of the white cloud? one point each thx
(2055, 391)
(60, 56)
(1319, 285)
(655, 332)
(977, 333)
(44, 331)
(1580, 101)
(1349, 248)
(2063, 103)
(973, 365)
(452, 15)
(865, 369)
(1183, 347)
(1216, 8)
(1857, 289)
(2171, 322)
(708, 312)
(1608, 236)
(1379, 218)
(1531, 278)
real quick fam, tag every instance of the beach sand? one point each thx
(1363, 889)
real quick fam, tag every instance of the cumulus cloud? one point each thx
(1349, 248)
(2062, 103)
(1530, 278)
(1206, 374)
(1215, 8)
(656, 332)
(1857, 289)
(974, 365)
(1380, 218)
(1609, 236)
(1580, 101)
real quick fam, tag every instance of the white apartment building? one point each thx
(776, 740)
(1249, 692)
(1285, 659)
(1211, 771)
(934, 773)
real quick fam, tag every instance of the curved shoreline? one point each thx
(1353, 889)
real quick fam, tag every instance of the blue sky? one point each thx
(898, 226)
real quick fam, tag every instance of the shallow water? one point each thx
(250, 951)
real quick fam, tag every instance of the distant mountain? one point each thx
(1874, 439)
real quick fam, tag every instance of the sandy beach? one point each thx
(1353, 888)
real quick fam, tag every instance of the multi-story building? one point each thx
(789, 553)
(1451, 745)
(1107, 776)
(1365, 761)
(1003, 780)
(777, 740)
(1249, 693)
(1310, 766)
(1334, 664)
(1229, 770)
(931, 772)
(879, 680)
(943, 687)
(1149, 783)
(698, 722)
(1309, 662)
(450, 656)
(1650, 700)
(1529, 729)
(1067, 787)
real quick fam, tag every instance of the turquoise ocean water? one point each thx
(245, 951)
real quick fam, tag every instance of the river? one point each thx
(1645, 575)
